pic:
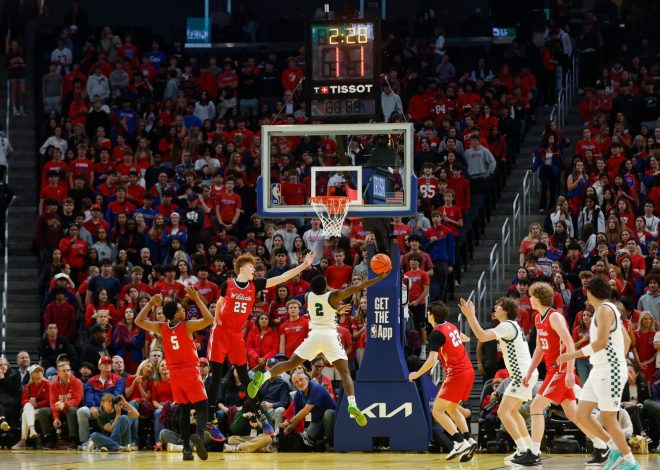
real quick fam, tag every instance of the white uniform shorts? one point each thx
(519, 391)
(327, 342)
(604, 386)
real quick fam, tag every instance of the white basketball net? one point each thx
(332, 211)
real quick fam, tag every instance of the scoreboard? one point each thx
(342, 70)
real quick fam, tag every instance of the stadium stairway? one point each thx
(23, 329)
(491, 234)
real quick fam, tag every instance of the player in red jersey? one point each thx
(446, 342)
(183, 363)
(233, 308)
(552, 339)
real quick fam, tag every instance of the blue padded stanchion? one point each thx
(393, 405)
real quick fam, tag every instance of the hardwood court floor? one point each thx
(348, 461)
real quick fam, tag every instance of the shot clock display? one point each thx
(342, 51)
(342, 70)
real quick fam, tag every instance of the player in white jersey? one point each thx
(323, 338)
(517, 360)
(607, 353)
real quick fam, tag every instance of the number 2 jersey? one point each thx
(178, 347)
(549, 339)
(239, 299)
(446, 339)
(322, 315)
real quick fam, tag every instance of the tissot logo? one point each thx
(342, 89)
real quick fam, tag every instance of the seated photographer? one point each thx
(248, 432)
(95, 388)
(170, 439)
(274, 396)
(114, 418)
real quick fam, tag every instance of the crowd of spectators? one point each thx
(149, 159)
(600, 199)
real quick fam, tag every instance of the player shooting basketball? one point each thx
(323, 338)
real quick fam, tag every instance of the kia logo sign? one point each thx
(342, 89)
(379, 410)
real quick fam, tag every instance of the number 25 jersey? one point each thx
(238, 302)
(453, 355)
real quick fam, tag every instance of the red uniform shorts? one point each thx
(223, 343)
(187, 385)
(457, 385)
(554, 386)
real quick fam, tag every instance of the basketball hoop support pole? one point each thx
(394, 406)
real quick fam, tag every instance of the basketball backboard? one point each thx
(371, 164)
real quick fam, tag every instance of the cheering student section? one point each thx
(160, 283)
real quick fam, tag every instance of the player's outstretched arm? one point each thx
(431, 359)
(141, 319)
(343, 294)
(291, 273)
(603, 328)
(470, 312)
(207, 318)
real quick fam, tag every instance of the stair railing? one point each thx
(494, 277)
(5, 276)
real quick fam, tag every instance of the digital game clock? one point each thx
(342, 70)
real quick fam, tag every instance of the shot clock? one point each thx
(342, 70)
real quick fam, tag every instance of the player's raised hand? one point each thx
(192, 293)
(344, 309)
(309, 259)
(157, 300)
(467, 307)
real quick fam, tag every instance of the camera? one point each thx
(116, 400)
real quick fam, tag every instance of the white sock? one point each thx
(611, 445)
(351, 400)
(535, 448)
(267, 376)
(528, 441)
(520, 444)
(598, 443)
(629, 457)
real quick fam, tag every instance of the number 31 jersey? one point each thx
(178, 347)
(452, 353)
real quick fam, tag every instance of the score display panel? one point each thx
(343, 66)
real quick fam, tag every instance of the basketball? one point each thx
(381, 264)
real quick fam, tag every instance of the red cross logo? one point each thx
(325, 90)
